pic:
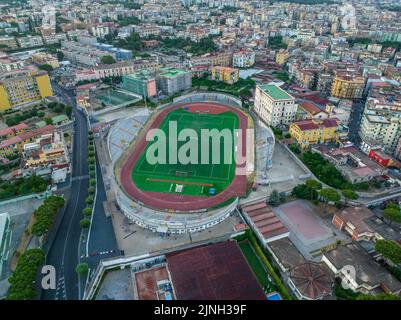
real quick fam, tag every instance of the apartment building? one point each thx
(314, 131)
(20, 87)
(8, 64)
(16, 144)
(274, 106)
(381, 119)
(145, 31)
(225, 74)
(282, 56)
(99, 31)
(172, 80)
(8, 42)
(13, 131)
(347, 86)
(223, 59)
(85, 55)
(30, 41)
(141, 82)
(243, 59)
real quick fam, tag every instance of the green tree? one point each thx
(82, 268)
(107, 60)
(349, 195)
(60, 55)
(274, 198)
(314, 185)
(393, 214)
(380, 296)
(389, 249)
(48, 120)
(87, 211)
(46, 67)
(89, 200)
(329, 195)
(84, 223)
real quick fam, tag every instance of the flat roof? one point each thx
(275, 92)
(215, 272)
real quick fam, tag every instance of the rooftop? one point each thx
(215, 272)
(275, 92)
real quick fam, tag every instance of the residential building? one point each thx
(381, 119)
(15, 144)
(141, 82)
(309, 110)
(21, 87)
(100, 30)
(225, 74)
(44, 58)
(348, 86)
(352, 221)
(13, 131)
(8, 42)
(8, 64)
(315, 131)
(282, 56)
(30, 41)
(274, 106)
(172, 80)
(243, 59)
(359, 271)
(223, 59)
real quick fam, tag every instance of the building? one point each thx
(274, 106)
(85, 55)
(282, 56)
(359, 271)
(352, 221)
(225, 74)
(5, 240)
(243, 59)
(172, 80)
(354, 165)
(381, 119)
(9, 63)
(117, 69)
(14, 145)
(314, 131)
(141, 82)
(21, 87)
(217, 271)
(309, 110)
(8, 42)
(99, 31)
(223, 59)
(30, 41)
(13, 131)
(120, 54)
(348, 86)
(44, 58)
(264, 222)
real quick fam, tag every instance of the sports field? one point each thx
(190, 179)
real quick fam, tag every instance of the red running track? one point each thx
(164, 201)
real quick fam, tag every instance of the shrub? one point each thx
(82, 268)
(87, 211)
(92, 182)
(85, 223)
(89, 200)
(91, 190)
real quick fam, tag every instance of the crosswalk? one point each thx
(61, 293)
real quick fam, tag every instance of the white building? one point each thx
(243, 59)
(100, 31)
(274, 106)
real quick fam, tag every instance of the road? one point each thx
(67, 248)
(63, 254)
(355, 120)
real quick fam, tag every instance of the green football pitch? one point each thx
(195, 179)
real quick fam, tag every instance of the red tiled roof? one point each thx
(310, 107)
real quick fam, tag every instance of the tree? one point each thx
(274, 198)
(23, 279)
(48, 120)
(87, 211)
(393, 214)
(68, 111)
(380, 296)
(85, 223)
(107, 60)
(349, 195)
(82, 268)
(46, 67)
(60, 55)
(329, 195)
(89, 200)
(389, 249)
(314, 185)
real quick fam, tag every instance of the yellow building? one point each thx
(348, 87)
(313, 131)
(20, 87)
(281, 56)
(225, 74)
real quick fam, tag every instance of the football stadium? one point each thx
(201, 160)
